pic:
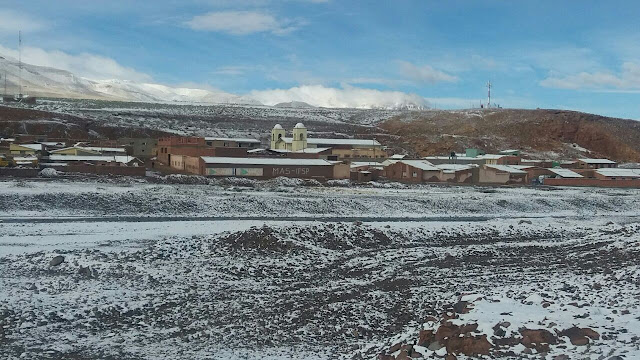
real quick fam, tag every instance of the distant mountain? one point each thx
(50, 82)
(44, 81)
(294, 105)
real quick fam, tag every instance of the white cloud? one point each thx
(627, 79)
(566, 59)
(347, 97)
(232, 70)
(86, 65)
(424, 73)
(242, 23)
(11, 22)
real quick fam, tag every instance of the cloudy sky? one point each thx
(550, 54)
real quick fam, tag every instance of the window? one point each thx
(209, 143)
(415, 174)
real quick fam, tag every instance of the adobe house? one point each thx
(595, 164)
(502, 174)
(458, 173)
(416, 171)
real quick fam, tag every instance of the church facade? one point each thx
(343, 149)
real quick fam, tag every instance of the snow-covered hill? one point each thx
(44, 81)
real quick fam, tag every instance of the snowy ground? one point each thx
(173, 271)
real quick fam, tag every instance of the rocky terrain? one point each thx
(540, 133)
(123, 269)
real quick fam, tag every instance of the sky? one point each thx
(537, 54)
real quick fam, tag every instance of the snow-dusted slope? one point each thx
(50, 82)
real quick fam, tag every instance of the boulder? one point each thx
(579, 336)
(57, 260)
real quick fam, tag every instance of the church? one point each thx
(343, 149)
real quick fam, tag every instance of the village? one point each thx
(295, 154)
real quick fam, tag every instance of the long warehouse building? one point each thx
(273, 167)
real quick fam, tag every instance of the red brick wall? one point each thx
(593, 182)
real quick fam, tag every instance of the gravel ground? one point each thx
(309, 289)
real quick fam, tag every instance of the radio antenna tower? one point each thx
(489, 94)
(20, 61)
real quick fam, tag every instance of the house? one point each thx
(264, 168)
(595, 164)
(181, 152)
(502, 174)
(533, 172)
(29, 161)
(560, 173)
(25, 149)
(475, 157)
(617, 174)
(413, 171)
(75, 151)
(500, 159)
(341, 148)
(139, 147)
(118, 160)
(458, 173)
(232, 142)
(472, 153)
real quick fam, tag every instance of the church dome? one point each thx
(277, 127)
(299, 126)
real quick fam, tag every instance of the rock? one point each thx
(395, 347)
(499, 331)
(461, 307)
(435, 346)
(57, 260)
(579, 336)
(561, 357)
(426, 338)
(579, 341)
(537, 339)
(450, 357)
(525, 222)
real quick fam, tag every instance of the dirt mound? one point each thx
(340, 236)
(545, 133)
(259, 239)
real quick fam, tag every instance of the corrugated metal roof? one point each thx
(264, 161)
(565, 173)
(37, 147)
(117, 158)
(617, 172)
(243, 140)
(453, 167)
(420, 164)
(507, 168)
(597, 161)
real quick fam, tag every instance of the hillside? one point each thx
(15, 121)
(540, 133)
